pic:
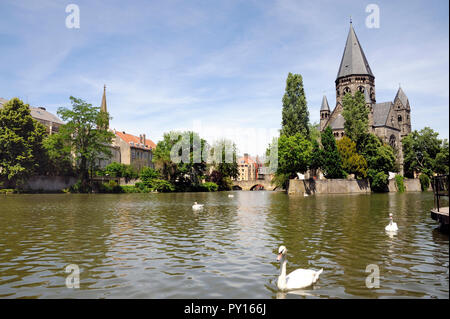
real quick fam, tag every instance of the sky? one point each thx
(219, 67)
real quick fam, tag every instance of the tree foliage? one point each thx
(425, 153)
(89, 144)
(295, 115)
(356, 115)
(21, 150)
(352, 162)
(331, 159)
(294, 154)
(178, 157)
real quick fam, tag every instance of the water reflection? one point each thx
(156, 246)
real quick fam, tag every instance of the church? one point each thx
(390, 121)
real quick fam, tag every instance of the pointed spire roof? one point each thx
(103, 105)
(325, 106)
(402, 96)
(353, 60)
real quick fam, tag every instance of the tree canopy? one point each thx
(295, 115)
(89, 143)
(21, 150)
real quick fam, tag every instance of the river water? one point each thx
(156, 246)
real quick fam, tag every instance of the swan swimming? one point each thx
(197, 206)
(297, 279)
(392, 226)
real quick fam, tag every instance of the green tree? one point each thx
(316, 156)
(226, 158)
(89, 144)
(442, 159)
(294, 156)
(21, 148)
(295, 115)
(178, 157)
(380, 159)
(331, 160)
(356, 115)
(352, 162)
(58, 156)
(424, 152)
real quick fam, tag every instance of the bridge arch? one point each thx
(257, 187)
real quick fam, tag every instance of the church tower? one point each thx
(354, 71)
(324, 113)
(403, 110)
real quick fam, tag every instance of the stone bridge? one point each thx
(253, 185)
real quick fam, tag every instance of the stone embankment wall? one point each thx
(344, 186)
(49, 183)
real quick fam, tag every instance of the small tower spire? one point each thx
(103, 107)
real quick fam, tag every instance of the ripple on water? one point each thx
(155, 246)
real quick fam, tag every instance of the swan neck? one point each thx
(283, 266)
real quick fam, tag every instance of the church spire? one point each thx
(103, 105)
(353, 61)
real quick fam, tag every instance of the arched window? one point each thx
(337, 92)
(392, 141)
(342, 134)
(372, 94)
(361, 89)
(399, 118)
(346, 90)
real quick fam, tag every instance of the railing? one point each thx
(440, 186)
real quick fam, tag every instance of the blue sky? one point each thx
(219, 66)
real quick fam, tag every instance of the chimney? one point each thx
(140, 138)
(143, 140)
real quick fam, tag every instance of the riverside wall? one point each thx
(344, 186)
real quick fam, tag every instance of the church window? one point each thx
(361, 89)
(399, 118)
(392, 141)
(346, 90)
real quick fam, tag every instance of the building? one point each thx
(135, 151)
(40, 114)
(390, 121)
(250, 169)
(126, 148)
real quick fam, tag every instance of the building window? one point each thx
(346, 90)
(361, 89)
(392, 141)
(399, 118)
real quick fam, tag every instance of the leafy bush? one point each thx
(148, 174)
(399, 183)
(7, 191)
(424, 181)
(378, 180)
(209, 187)
(162, 185)
(110, 187)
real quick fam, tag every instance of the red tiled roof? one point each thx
(135, 140)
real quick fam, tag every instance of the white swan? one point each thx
(230, 196)
(297, 279)
(392, 226)
(197, 206)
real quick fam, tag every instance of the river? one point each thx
(156, 246)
